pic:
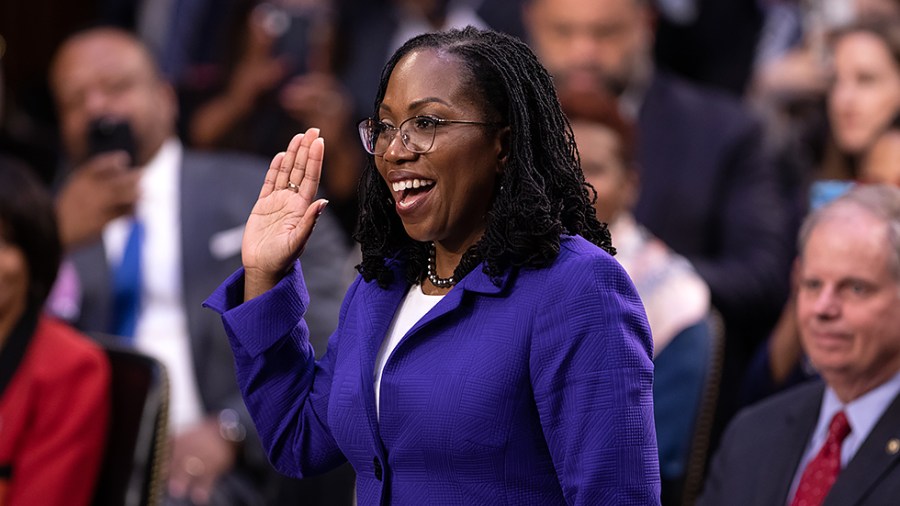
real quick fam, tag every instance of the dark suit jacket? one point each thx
(708, 191)
(762, 447)
(217, 193)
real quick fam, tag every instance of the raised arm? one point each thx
(284, 215)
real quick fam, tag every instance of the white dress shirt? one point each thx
(414, 306)
(162, 330)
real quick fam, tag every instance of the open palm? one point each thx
(284, 215)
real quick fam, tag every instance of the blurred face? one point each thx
(601, 162)
(865, 95)
(442, 195)
(847, 304)
(13, 281)
(882, 161)
(106, 73)
(587, 43)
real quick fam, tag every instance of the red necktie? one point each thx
(822, 471)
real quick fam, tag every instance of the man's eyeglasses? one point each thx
(417, 133)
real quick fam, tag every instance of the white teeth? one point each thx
(410, 183)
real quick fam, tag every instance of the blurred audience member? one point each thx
(283, 81)
(863, 101)
(675, 297)
(864, 97)
(281, 42)
(794, 75)
(792, 56)
(150, 228)
(54, 382)
(28, 37)
(709, 41)
(707, 190)
(834, 441)
(372, 31)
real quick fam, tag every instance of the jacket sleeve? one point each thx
(68, 434)
(592, 377)
(285, 389)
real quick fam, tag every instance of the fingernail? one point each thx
(322, 208)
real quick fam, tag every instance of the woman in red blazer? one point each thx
(54, 382)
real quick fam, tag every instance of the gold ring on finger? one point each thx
(194, 466)
(292, 187)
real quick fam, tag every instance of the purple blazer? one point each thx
(536, 391)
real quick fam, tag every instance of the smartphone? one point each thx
(292, 29)
(111, 134)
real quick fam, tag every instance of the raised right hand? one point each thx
(283, 218)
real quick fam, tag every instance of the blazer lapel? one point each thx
(380, 305)
(799, 424)
(872, 461)
(475, 282)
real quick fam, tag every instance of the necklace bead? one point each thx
(432, 271)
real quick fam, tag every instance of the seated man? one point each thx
(150, 228)
(834, 440)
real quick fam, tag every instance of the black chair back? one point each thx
(132, 473)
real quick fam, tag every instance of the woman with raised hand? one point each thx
(491, 350)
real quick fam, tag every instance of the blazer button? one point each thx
(377, 464)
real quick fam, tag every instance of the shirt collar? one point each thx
(863, 412)
(160, 175)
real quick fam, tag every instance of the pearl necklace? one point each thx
(432, 271)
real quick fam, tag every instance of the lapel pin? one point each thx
(893, 446)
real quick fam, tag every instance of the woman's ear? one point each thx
(503, 136)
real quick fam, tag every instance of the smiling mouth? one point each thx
(410, 189)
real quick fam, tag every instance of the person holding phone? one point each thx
(164, 227)
(281, 78)
(491, 348)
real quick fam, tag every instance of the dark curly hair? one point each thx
(542, 192)
(28, 222)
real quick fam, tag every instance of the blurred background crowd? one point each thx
(709, 128)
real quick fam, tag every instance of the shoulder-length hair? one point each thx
(28, 222)
(542, 193)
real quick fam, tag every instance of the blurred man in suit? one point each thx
(707, 189)
(176, 218)
(835, 440)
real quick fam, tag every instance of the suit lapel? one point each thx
(95, 304)
(871, 462)
(799, 423)
(194, 224)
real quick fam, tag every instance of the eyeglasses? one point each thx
(417, 133)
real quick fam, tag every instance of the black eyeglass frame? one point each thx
(365, 128)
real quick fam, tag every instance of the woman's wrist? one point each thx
(257, 282)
